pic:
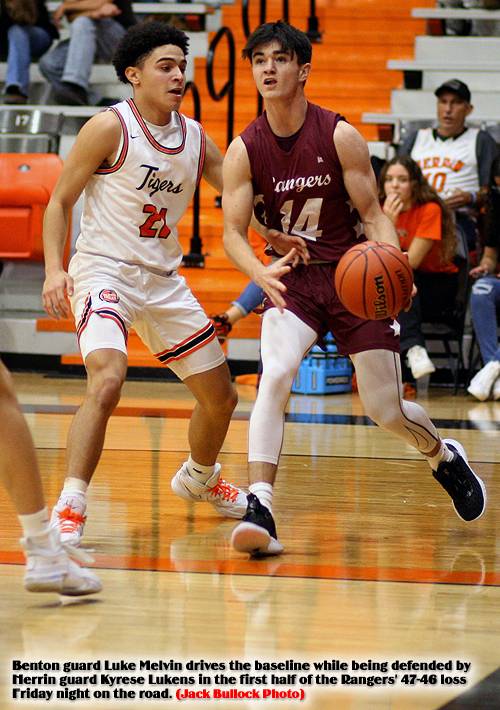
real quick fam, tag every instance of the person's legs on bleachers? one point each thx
(484, 300)
(24, 44)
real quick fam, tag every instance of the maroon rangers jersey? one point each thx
(302, 191)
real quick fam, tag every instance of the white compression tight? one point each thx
(285, 340)
(380, 387)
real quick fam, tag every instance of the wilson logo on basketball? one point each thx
(109, 296)
(380, 303)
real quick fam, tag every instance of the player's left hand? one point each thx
(410, 300)
(269, 279)
(282, 243)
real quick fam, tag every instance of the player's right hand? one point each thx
(55, 288)
(407, 305)
(269, 279)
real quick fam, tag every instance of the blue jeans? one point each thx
(484, 300)
(25, 44)
(251, 297)
(72, 59)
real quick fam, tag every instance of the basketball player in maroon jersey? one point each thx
(305, 171)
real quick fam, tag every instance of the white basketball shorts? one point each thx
(110, 297)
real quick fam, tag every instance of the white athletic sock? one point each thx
(75, 484)
(36, 525)
(264, 492)
(444, 454)
(198, 472)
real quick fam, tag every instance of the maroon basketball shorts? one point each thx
(312, 297)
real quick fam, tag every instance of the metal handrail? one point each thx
(228, 88)
(262, 14)
(195, 257)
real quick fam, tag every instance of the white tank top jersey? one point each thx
(448, 164)
(131, 209)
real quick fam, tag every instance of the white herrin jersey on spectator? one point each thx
(131, 210)
(448, 164)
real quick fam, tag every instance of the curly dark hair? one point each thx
(422, 192)
(140, 40)
(290, 39)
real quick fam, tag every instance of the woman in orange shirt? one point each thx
(427, 233)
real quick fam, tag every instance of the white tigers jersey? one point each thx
(131, 209)
(448, 164)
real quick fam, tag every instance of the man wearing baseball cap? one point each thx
(455, 159)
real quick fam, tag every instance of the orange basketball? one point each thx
(374, 280)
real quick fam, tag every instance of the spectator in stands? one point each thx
(26, 32)
(427, 234)
(456, 160)
(464, 27)
(96, 28)
(485, 298)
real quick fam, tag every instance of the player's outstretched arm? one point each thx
(95, 146)
(237, 205)
(359, 180)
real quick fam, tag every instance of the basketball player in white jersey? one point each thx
(49, 567)
(138, 164)
(304, 170)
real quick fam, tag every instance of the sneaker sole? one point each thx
(43, 585)
(417, 374)
(56, 586)
(254, 539)
(458, 446)
(480, 395)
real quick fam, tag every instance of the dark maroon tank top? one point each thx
(302, 191)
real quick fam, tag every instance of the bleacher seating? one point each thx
(474, 60)
(26, 184)
(103, 76)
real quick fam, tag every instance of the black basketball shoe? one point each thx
(256, 534)
(467, 490)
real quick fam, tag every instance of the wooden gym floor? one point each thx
(377, 566)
